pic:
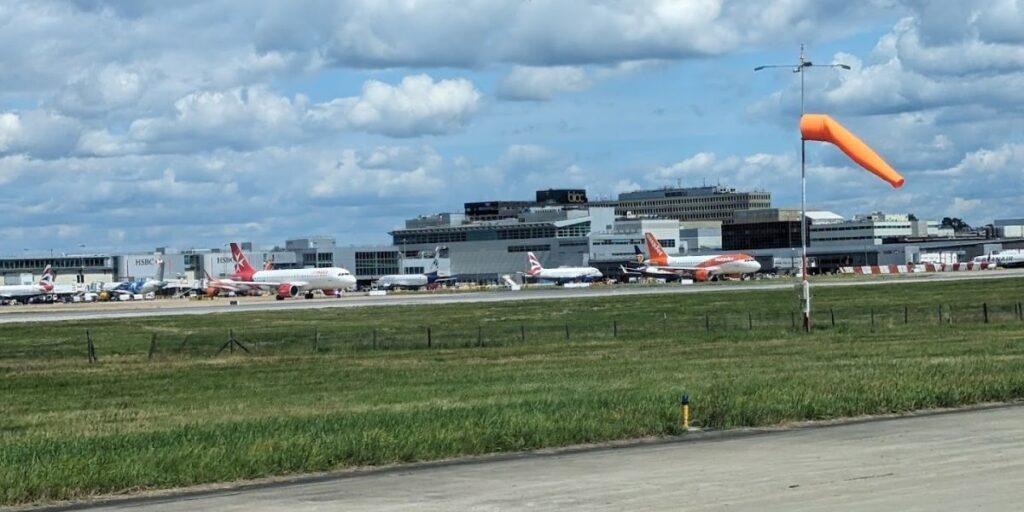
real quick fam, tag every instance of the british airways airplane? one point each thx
(560, 275)
(22, 292)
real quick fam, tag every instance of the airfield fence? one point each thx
(256, 340)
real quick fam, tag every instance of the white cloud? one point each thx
(416, 106)
(37, 132)
(542, 83)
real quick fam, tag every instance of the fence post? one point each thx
(230, 344)
(430, 337)
(615, 328)
(1020, 310)
(152, 346)
(707, 322)
(522, 333)
(316, 339)
(479, 336)
(750, 322)
(792, 320)
(374, 339)
(872, 319)
(90, 348)
(940, 314)
(832, 315)
(984, 311)
(567, 331)
(906, 314)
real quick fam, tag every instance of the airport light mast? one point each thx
(800, 67)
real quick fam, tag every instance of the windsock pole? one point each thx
(805, 285)
(801, 67)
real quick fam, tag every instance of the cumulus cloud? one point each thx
(250, 117)
(416, 106)
(38, 133)
(542, 83)
(366, 33)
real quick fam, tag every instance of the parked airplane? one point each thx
(700, 268)
(139, 286)
(1010, 258)
(415, 281)
(290, 282)
(24, 292)
(561, 275)
(213, 287)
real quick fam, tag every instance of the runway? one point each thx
(172, 307)
(971, 460)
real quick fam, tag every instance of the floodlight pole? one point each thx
(805, 285)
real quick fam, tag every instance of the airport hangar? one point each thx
(490, 239)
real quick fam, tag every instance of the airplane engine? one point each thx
(702, 275)
(212, 292)
(287, 290)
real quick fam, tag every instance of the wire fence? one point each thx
(256, 340)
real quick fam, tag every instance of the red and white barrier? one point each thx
(913, 269)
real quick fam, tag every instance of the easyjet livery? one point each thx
(699, 268)
(290, 282)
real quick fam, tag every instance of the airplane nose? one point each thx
(753, 266)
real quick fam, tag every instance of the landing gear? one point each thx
(279, 297)
(309, 295)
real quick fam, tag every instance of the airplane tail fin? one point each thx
(46, 281)
(654, 248)
(640, 256)
(242, 265)
(535, 266)
(434, 265)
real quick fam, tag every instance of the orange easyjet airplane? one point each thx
(700, 268)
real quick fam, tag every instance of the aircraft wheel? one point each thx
(279, 297)
(309, 296)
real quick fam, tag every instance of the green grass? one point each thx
(70, 429)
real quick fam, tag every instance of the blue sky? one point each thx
(130, 125)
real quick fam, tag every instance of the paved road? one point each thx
(169, 308)
(957, 461)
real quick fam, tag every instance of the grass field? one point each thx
(349, 387)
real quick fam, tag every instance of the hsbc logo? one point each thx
(144, 262)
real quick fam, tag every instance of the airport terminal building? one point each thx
(490, 239)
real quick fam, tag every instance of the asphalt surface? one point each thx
(971, 460)
(50, 313)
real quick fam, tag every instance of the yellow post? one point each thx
(684, 410)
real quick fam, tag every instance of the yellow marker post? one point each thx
(684, 410)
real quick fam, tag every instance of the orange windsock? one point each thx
(824, 128)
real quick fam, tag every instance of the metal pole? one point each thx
(805, 285)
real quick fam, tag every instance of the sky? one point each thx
(137, 124)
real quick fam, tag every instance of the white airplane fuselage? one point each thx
(568, 274)
(722, 264)
(308, 279)
(19, 291)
